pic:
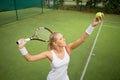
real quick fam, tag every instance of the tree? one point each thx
(78, 1)
(112, 6)
(92, 3)
(61, 2)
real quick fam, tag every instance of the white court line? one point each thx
(90, 54)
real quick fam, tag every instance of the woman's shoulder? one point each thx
(67, 49)
(49, 55)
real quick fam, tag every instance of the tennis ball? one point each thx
(98, 14)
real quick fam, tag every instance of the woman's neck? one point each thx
(58, 49)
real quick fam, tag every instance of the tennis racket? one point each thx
(41, 34)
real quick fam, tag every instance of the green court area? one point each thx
(104, 64)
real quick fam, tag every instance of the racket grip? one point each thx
(27, 39)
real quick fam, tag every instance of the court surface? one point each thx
(103, 65)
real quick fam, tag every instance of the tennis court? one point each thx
(103, 65)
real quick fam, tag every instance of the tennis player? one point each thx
(58, 52)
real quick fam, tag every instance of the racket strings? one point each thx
(36, 34)
(42, 33)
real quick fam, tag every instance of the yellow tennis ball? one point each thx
(98, 14)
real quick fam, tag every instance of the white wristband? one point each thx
(23, 51)
(89, 30)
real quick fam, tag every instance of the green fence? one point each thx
(6, 5)
(11, 10)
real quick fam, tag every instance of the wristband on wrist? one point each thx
(23, 51)
(89, 30)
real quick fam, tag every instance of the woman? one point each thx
(58, 52)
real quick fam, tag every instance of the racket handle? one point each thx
(27, 39)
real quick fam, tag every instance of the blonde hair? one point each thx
(52, 39)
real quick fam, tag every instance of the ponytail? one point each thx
(52, 39)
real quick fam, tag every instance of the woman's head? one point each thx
(56, 39)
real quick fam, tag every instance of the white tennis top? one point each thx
(59, 67)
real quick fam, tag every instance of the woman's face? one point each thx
(60, 41)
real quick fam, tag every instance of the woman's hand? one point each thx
(22, 43)
(97, 20)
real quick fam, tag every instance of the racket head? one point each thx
(42, 34)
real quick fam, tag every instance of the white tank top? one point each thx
(59, 67)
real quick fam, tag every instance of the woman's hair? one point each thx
(52, 39)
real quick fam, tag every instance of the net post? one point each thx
(54, 4)
(15, 6)
(42, 5)
(48, 3)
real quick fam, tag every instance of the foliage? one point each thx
(108, 6)
(112, 6)
(60, 2)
